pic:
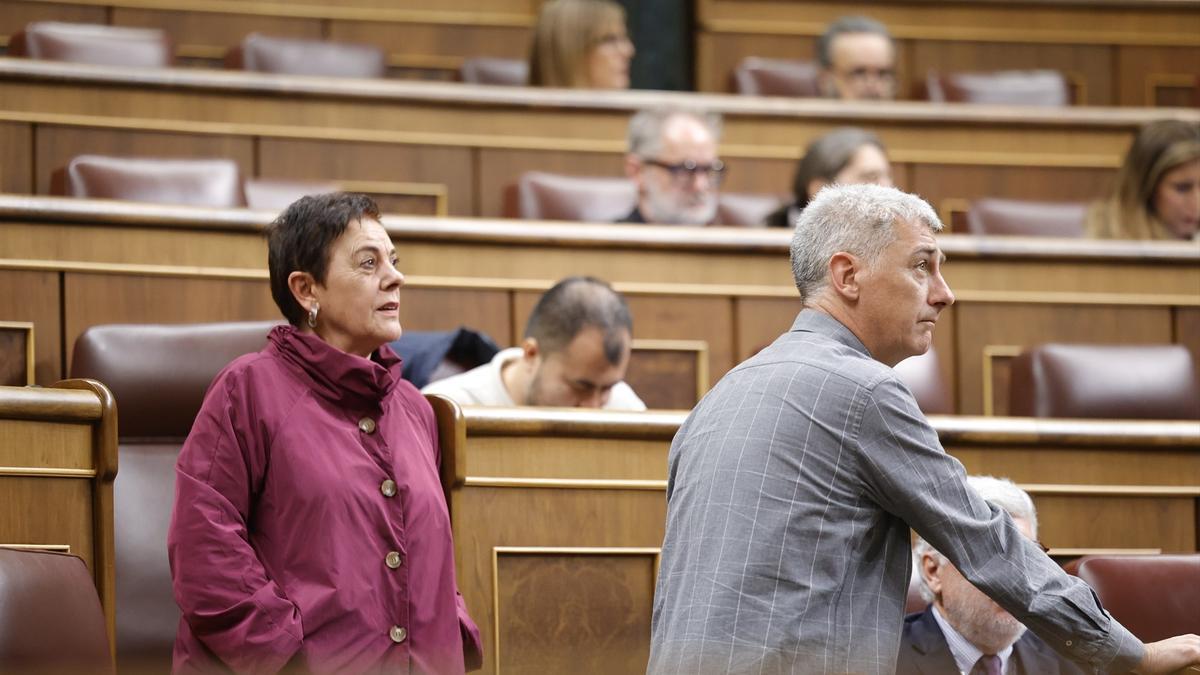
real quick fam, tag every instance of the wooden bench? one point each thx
(78, 263)
(558, 517)
(427, 141)
(58, 460)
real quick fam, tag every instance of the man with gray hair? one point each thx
(857, 59)
(673, 162)
(962, 627)
(792, 485)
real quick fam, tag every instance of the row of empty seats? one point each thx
(114, 45)
(536, 195)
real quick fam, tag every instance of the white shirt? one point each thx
(966, 654)
(483, 385)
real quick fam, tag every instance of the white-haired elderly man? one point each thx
(792, 485)
(673, 161)
(964, 631)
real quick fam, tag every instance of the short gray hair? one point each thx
(856, 219)
(1001, 493)
(646, 127)
(843, 26)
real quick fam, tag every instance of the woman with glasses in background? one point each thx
(846, 156)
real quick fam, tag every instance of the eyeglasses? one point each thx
(685, 172)
(885, 75)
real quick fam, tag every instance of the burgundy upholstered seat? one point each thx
(158, 375)
(192, 182)
(51, 620)
(923, 376)
(756, 76)
(1006, 87)
(92, 43)
(1105, 381)
(291, 56)
(1026, 218)
(493, 70)
(1154, 596)
(550, 196)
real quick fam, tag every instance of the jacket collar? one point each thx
(336, 375)
(815, 321)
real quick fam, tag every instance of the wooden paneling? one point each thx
(1023, 325)
(205, 36)
(1088, 42)
(499, 168)
(448, 308)
(436, 49)
(33, 296)
(1157, 76)
(95, 299)
(56, 145)
(1088, 68)
(558, 516)
(17, 13)
(446, 167)
(16, 353)
(1187, 332)
(471, 141)
(16, 158)
(540, 593)
(58, 460)
(668, 376)
(950, 189)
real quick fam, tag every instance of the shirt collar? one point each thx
(815, 321)
(965, 654)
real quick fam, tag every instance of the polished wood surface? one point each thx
(58, 461)
(573, 502)
(1113, 53)
(83, 262)
(467, 142)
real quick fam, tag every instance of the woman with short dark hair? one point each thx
(310, 530)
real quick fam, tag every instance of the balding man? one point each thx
(673, 161)
(574, 355)
(792, 485)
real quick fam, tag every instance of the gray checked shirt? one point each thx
(790, 494)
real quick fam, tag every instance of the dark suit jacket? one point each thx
(923, 651)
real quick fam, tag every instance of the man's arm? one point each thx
(911, 476)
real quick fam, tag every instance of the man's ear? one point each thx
(304, 288)
(633, 167)
(845, 272)
(530, 351)
(930, 569)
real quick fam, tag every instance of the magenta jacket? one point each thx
(310, 529)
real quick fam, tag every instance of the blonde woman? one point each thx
(1157, 193)
(580, 44)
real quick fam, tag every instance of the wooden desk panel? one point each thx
(726, 287)
(1145, 41)
(470, 141)
(58, 461)
(572, 502)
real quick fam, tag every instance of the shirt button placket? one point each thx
(388, 488)
(393, 560)
(398, 634)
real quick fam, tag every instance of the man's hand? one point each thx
(1170, 655)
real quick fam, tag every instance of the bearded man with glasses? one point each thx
(673, 162)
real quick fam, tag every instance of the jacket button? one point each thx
(366, 425)
(388, 488)
(393, 559)
(397, 633)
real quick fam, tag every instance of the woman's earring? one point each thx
(312, 315)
